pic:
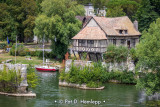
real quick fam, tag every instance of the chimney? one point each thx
(135, 24)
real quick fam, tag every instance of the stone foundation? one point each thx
(82, 86)
(29, 94)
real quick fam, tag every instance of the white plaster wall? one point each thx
(92, 23)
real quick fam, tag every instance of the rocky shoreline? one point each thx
(82, 86)
(29, 94)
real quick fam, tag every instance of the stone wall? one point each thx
(23, 69)
(68, 63)
(129, 65)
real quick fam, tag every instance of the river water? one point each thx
(49, 94)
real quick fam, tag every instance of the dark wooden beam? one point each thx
(96, 57)
(89, 56)
(79, 55)
(74, 55)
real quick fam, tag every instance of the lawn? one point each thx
(20, 59)
(23, 60)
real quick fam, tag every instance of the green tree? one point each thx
(148, 50)
(148, 12)
(128, 7)
(17, 18)
(148, 53)
(8, 25)
(115, 12)
(58, 23)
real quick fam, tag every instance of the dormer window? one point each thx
(120, 31)
(123, 32)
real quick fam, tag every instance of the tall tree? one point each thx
(8, 25)
(129, 7)
(58, 23)
(116, 11)
(148, 52)
(19, 19)
(148, 12)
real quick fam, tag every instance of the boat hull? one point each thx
(46, 69)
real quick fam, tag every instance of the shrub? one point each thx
(33, 53)
(39, 54)
(3, 45)
(95, 74)
(32, 77)
(116, 54)
(21, 50)
(123, 77)
(9, 80)
(85, 74)
(92, 84)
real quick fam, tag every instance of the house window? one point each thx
(122, 41)
(81, 43)
(120, 31)
(114, 41)
(90, 43)
(125, 31)
(90, 12)
(134, 42)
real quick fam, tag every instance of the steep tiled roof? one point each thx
(111, 26)
(107, 27)
(91, 33)
(84, 19)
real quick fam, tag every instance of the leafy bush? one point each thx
(39, 54)
(95, 74)
(33, 53)
(3, 45)
(9, 80)
(89, 75)
(21, 50)
(92, 84)
(132, 53)
(123, 77)
(116, 54)
(149, 82)
(32, 77)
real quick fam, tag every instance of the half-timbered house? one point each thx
(99, 32)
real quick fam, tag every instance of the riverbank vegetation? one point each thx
(116, 54)
(32, 77)
(148, 53)
(9, 80)
(95, 75)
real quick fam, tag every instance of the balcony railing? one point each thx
(89, 49)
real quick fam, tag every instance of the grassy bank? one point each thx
(21, 59)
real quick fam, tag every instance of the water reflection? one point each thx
(49, 94)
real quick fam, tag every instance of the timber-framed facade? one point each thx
(99, 32)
